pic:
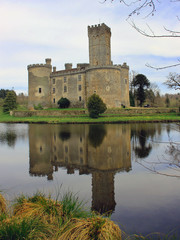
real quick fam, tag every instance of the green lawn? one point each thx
(106, 118)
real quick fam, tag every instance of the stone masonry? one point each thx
(46, 85)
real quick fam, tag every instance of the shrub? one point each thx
(63, 103)
(38, 107)
(96, 106)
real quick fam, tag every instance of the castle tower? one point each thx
(99, 45)
(39, 84)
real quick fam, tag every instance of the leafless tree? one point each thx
(150, 8)
(173, 81)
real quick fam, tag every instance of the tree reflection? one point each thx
(143, 151)
(64, 135)
(9, 137)
(96, 135)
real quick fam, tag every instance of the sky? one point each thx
(32, 30)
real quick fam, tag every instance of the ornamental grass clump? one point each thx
(24, 228)
(50, 211)
(2, 204)
(96, 227)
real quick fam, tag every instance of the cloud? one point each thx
(34, 30)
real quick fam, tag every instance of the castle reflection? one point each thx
(99, 150)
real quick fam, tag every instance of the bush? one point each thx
(96, 106)
(38, 107)
(10, 102)
(63, 103)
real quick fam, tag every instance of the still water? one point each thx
(129, 170)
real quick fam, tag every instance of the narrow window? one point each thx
(79, 77)
(53, 80)
(65, 88)
(81, 150)
(79, 87)
(64, 79)
(80, 98)
(54, 100)
(53, 90)
(125, 80)
(40, 148)
(39, 90)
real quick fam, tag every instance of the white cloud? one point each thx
(34, 30)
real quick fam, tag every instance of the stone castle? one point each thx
(46, 85)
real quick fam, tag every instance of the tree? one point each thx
(95, 106)
(173, 81)
(63, 103)
(151, 93)
(10, 102)
(167, 101)
(141, 82)
(3, 93)
(147, 8)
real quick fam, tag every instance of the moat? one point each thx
(127, 170)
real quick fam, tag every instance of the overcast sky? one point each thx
(32, 30)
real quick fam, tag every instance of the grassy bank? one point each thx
(41, 217)
(106, 118)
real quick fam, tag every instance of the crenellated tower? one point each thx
(39, 84)
(99, 45)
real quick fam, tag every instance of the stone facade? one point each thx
(100, 76)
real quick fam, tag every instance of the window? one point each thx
(64, 79)
(79, 87)
(53, 80)
(81, 150)
(53, 90)
(40, 149)
(39, 90)
(125, 80)
(65, 88)
(54, 100)
(79, 77)
(80, 98)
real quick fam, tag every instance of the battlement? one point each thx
(47, 64)
(38, 65)
(98, 28)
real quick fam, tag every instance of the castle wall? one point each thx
(125, 85)
(106, 82)
(39, 85)
(71, 86)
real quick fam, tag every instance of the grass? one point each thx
(106, 118)
(41, 217)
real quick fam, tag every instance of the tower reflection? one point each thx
(99, 150)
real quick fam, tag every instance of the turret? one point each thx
(39, 84)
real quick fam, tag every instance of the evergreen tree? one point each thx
(10, 102)
(141, 82)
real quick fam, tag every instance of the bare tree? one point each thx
(173, 81)
(149, 8)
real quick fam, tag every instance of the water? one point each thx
(128, 170)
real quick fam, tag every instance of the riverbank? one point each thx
(81, 116)
(42, 217)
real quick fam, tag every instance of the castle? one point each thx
(46, 85)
